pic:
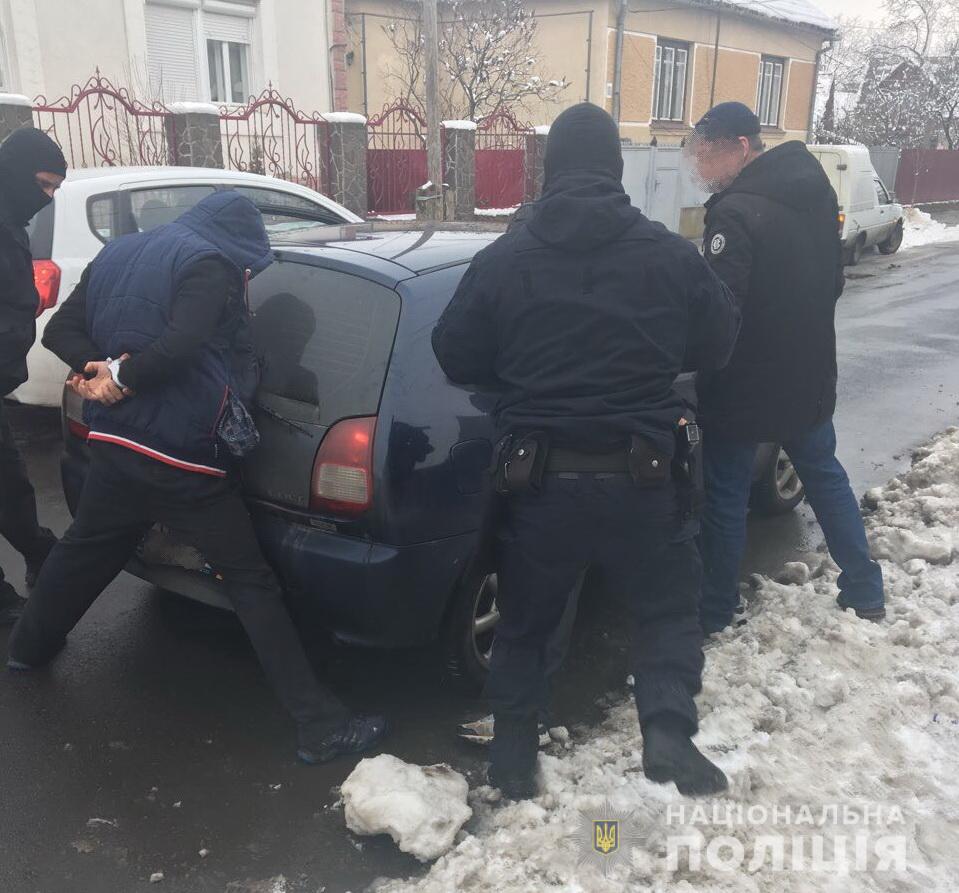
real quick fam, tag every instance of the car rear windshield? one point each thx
(40, 231)
(324, 339)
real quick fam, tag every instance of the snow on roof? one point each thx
(799, 12)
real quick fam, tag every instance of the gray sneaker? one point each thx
(481, 732)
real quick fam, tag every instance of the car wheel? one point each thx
(778, 489)
(854, 255)
(468, 632)
(894, 242)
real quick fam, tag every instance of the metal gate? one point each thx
(501, 164)
(99, 125)
(395, 159)
(271, 136)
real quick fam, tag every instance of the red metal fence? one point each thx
(501, 143)
(395, 159)
(100, 125)
(928, 175)
(271, 136)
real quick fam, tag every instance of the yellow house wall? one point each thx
(572, 36)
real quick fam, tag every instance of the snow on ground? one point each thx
(421, 808)
(840, 738)
(921, 229)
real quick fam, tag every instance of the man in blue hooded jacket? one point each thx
(157, 333)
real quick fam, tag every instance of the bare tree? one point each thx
(488, 55)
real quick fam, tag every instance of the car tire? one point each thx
(467, 637)
(854, 254)
(894, 242)
(778, 489)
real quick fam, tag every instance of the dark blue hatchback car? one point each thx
(368, 487)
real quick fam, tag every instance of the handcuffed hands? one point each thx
(100, 387)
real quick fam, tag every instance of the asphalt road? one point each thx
(154, 737)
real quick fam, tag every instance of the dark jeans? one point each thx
(546, 541)
(728, 467)
(124, 494)
(18, 506)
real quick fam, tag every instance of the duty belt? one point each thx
(560, 461)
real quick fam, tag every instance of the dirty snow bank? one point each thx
(921, 229)
(421, 808)
(836, 734)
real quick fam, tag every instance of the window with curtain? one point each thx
(669, 80)
(770, 90)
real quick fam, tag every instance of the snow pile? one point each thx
(921, 229)
(840, 739)
(421, 808)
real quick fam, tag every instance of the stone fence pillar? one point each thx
(16, 111)
(193, 135)
(459, 169)
(535, 153)
(347, 154)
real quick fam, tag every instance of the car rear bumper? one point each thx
(365, 593)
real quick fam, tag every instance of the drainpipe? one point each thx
(811, 123)
(618, 63)
(712, 86)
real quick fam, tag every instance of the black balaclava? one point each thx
(23, 155)
(583, 138)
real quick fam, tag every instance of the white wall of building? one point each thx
(160, 49)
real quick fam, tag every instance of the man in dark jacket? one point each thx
(772, 237)
(582, 315)
(169, 304)
(32, 167)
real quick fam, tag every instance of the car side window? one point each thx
(284, 212)
(151, 208)
(102, 217)
(881, 193)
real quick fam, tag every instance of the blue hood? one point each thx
(233, 225)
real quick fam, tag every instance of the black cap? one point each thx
(728, 121)
(583, 138)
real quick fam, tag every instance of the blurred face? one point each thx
(48, 182)
(717, 163)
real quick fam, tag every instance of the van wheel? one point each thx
(778, 490)
(894, 242)
(468, 632)
(854, 255)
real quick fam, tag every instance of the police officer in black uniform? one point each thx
(582, 316)
(32, 167)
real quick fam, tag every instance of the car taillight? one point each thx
(842, 222)
(343, 469)
(46, 277)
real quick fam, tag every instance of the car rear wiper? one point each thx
(273, 414)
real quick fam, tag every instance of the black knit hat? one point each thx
(727, 121)
(583, 138)
(24, 154)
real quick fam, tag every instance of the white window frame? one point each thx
(224, 52)
(249, 9)
(679, 53)
(769, 102)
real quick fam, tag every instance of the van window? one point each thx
(151, 208)
(881, 193)
(324, 338)
(284, 212)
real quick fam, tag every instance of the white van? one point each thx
(868, 214)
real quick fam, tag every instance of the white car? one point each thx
(96, 205)
(868, 213)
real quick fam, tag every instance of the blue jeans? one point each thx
(728, 467)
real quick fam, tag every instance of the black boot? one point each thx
(513, 756)
(670, 755)
(319, 743)
(46, 541)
